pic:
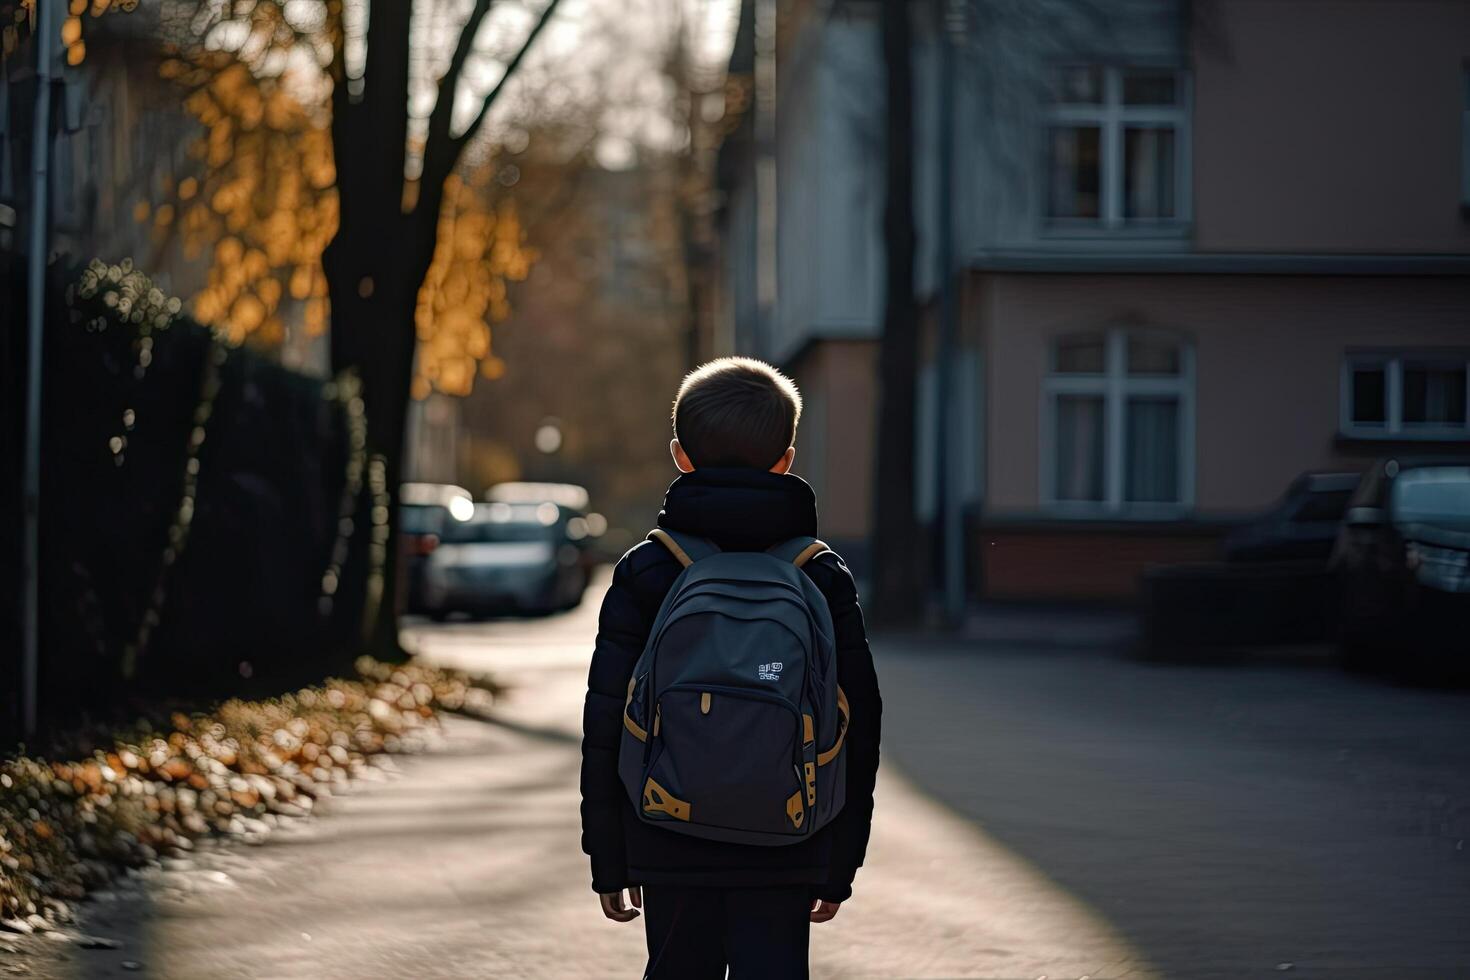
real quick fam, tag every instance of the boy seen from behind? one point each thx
(731, 725)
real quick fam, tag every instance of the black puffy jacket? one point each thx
(740, 510)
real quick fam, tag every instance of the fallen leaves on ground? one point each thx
(69, 827)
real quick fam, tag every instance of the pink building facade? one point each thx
(1224, 245)
(1313, 314)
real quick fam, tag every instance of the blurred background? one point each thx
(1134, 338)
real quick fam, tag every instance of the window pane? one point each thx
(1151, 470)
(1148, 172)
(1150, 88)
(1081, 355)
(1074, 171)
(1370, 396)
(1153, 355)
(1079, 460)
(1077, 85)
(1434, 395)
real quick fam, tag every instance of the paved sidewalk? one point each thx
(1018, 625)
(467, 864)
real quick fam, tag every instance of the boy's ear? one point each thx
(783, 465)
(681, 458)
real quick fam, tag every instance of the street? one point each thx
(1041, 813)
(1227, 820)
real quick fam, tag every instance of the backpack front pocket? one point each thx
(726, 758)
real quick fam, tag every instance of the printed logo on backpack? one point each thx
(734, 722)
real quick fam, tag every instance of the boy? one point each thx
(709, 904)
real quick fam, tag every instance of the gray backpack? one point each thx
(734, 722)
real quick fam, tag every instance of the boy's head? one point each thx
(736, 411)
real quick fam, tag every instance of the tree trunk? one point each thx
(374, 267)
(896, 573)
(378, 343)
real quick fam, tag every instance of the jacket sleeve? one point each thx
(622, 630)
(859, 682)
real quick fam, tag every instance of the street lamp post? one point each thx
(46, 36)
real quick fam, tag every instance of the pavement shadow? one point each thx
(1228, 822)
(539, 733)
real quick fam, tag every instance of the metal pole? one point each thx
(947, 455)
(767, 266)
(46, 37)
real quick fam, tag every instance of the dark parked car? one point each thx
(1301, 527)
(1403, 563)
(1273, 588)
(505, 558)
(582, 526)
(424, 510)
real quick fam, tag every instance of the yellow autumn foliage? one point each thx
(262, 206)
(260, 203)
(479, 250)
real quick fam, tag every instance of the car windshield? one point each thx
(1433, 495)
(501, 522)
(421, 520)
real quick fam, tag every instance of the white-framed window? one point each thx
(1406, 394)
(1119, 424)
(1116, 149)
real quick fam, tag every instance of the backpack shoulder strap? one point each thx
(686, 547)
(798, 551)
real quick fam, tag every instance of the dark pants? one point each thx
(694, 933)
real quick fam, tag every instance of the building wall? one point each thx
(124, 139)
(1268, 357)
(834, 445)
(829, 188)
(431, 450)
(829, 181)
(1002, 79)
(1330, 127)
(1075, 563)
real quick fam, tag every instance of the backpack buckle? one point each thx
(656, 799)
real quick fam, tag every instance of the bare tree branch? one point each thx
(441, 155)
(439, 120)
(510, 69)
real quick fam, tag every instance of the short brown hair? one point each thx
(736, 411)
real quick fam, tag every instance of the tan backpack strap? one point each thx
(809, 552)
(667, 540)
(628, 721)
(844, 718)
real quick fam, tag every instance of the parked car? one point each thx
(505, 558)
(567, 496)
(1273, 587)
(424, 509)
(1403, 562)
(1302, 526)
(583, 527)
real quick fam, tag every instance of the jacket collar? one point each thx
(740, 509)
